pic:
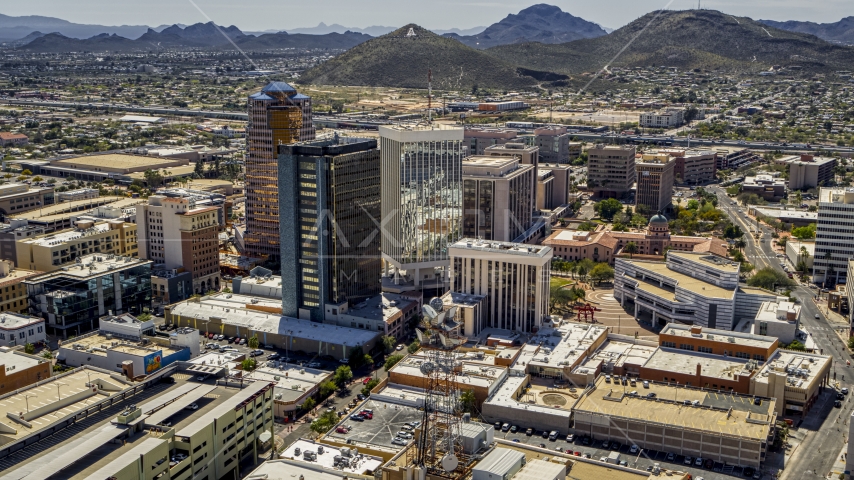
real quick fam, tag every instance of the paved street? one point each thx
(817, 451)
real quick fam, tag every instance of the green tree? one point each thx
(324, 422)
(144, 317)
(388, 343)
(796, 345)
(29, 348)
(391, 361)
(27, 172)
(414, 346)
(366, 390)
(769, 278)
(153, 178)
(601, 272)
(608, 208)
(326, 389)
(343, 375)
(248, 364)
(559, 295)
(308, 404)
(253, 342)
(468, 401)
(631, 248)
(47, 354)
(357, 358)
(804, 233)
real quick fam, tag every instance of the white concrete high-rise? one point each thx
(421, 203)
(834, 236)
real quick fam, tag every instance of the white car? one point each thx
(192, 406)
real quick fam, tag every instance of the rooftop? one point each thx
(723, 336)
(713, 366)
(471, 373)
(358, 463)
(810, 160)
(10, 189)
(801, 368)
(493, 246)
(385, 306)
(13, 360)
(67, 235)
(292, 381)
(565, 345)
(76, 208)
(712, 414)
(379, 431)
(116, 161)
(232, 308)
(100, 345)
(689, 283)
(291, 469)
(92, 266)
(710, 261)
(14, 321)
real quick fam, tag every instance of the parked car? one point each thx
(256, 353)
(366, 380)
(634, 449)
(313, 365)
(273, 356)
(220, 337)
(230, 339)
(529, 432)
(360, 397)
(570, 438)
(671, 457)
(698, 462)
(505, 427)
(342, 430)
(357, 418)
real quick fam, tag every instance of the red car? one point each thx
(577, 454)
(367, 415)
(342, 430)
(366, 380)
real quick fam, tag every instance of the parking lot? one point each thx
(380, 430)
(643, 460)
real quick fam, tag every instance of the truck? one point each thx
(614, 458)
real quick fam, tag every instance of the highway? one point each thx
(818, 450)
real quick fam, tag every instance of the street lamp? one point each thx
(59, 384)
(27, 398)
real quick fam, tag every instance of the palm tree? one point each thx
(631, 248)
(740, 244)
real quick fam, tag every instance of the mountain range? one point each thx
(374, 31)
(537, 23)
(841, 31)
(705, 39)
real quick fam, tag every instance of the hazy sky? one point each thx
(273, 14)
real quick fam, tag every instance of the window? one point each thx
(704, 349)
(668, 344)
(685, 346)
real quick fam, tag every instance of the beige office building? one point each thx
(498, 197)
(177, 234)
(19, 197)
(808, 171)
(47, 253)
(529, 155)
(611, 170)
(655, 182)
(478, 139)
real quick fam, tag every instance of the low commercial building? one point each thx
(9, 139)
(387, 313)
(11, 233)
(19, 329)
(17, 198)
(499, 195)
(64, 215)
(293, 386)
(502, 106)
(765, 186)
(501, 463)
(794, 379)
(132, 358)
(478, 139)
(99, 167)
(19, 370)
(731, 158)
(686, 421)
(170, 285)
(76, 195)
(779, 319)
(798, 251)
(808, 171)
(513, 277)
(49, 252)
(13, 292)
(244, 316)
(698, 289)
(669, 118)
(73, 298)
(481, 378)
(790, 216)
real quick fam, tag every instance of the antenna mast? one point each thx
(430, 95)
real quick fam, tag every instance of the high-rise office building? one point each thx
(421, 202)
(555, 145)
(611, 170)
(834, 236)
(655, 183)
(278, 115)
(498, 197)
(177, 234)
(329, 201)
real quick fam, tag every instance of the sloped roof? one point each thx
(260, 96)
(278, 87)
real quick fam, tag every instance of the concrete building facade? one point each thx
(611, 170)
(498, 197)
(47, 253)
(477, 140)
(513, 277)
(654, 183)
(175, 233)
(834, 236)
(808, 171)
(554, 144)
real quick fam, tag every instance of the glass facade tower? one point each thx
(329, 201)
(421, 201)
